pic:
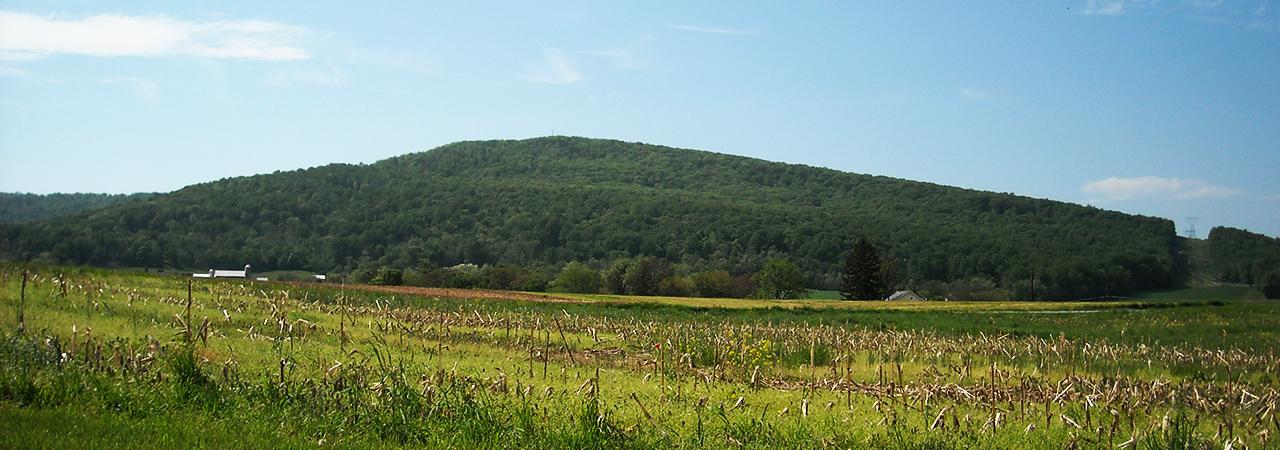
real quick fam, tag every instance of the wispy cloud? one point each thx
(14, 72)
(28, 36)
(1152, 187)
(1263, 17)
(1251, 14)
(1122, 7)
(556, 68)
(1104, 7)
(710, 30)
(327, 75)
(1254, 15)
(974, 94)
(628, 56)
(144, 87)
(26, 75)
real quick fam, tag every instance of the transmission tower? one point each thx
(1191, 227)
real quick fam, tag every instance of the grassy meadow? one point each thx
(112, 359)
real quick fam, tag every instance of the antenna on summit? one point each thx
(1191, 227)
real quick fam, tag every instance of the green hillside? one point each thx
(542, 202)
(22, 208)
(1239, 256)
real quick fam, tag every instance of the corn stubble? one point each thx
(410, 370)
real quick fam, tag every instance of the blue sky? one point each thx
(1166, 108)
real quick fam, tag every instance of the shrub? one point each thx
(645, 275)
(576, 277)
(1271, 285)
(388, 277)
(780, 279)
(675, 286)
(716, 283)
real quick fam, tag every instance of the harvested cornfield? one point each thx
(90, 353)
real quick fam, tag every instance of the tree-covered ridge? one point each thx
(22, 208)
(547, 201)
(1240, 256)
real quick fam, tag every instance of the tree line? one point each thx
(863, 277)
(646, 276)
(23, 208)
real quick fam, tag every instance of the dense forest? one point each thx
(22, 208)
(1239, 256)
(548, 201)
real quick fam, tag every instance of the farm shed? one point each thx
(905, 295)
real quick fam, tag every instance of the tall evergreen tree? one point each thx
(862, 278)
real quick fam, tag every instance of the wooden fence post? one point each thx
(188, 324)
(22, 304)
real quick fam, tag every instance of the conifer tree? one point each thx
(862, 278)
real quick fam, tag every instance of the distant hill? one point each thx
(545, 201)
(1240, 256)
(22, 208)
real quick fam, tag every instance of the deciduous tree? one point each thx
(780, 279)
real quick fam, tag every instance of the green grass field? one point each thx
(818, 294)
(110, 360)
(1209, 293)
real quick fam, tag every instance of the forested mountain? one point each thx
(1239, 256)
(22, 208)
(547, 201)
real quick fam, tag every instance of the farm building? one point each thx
(219, 273)
(905, 295)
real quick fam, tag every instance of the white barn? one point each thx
(905, 295)
(219, 273)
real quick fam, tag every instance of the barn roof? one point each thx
(901, 294)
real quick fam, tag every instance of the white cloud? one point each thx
(556, 68)
(27, 36)
(710, 30)
(1152, 187)
(144, 87)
